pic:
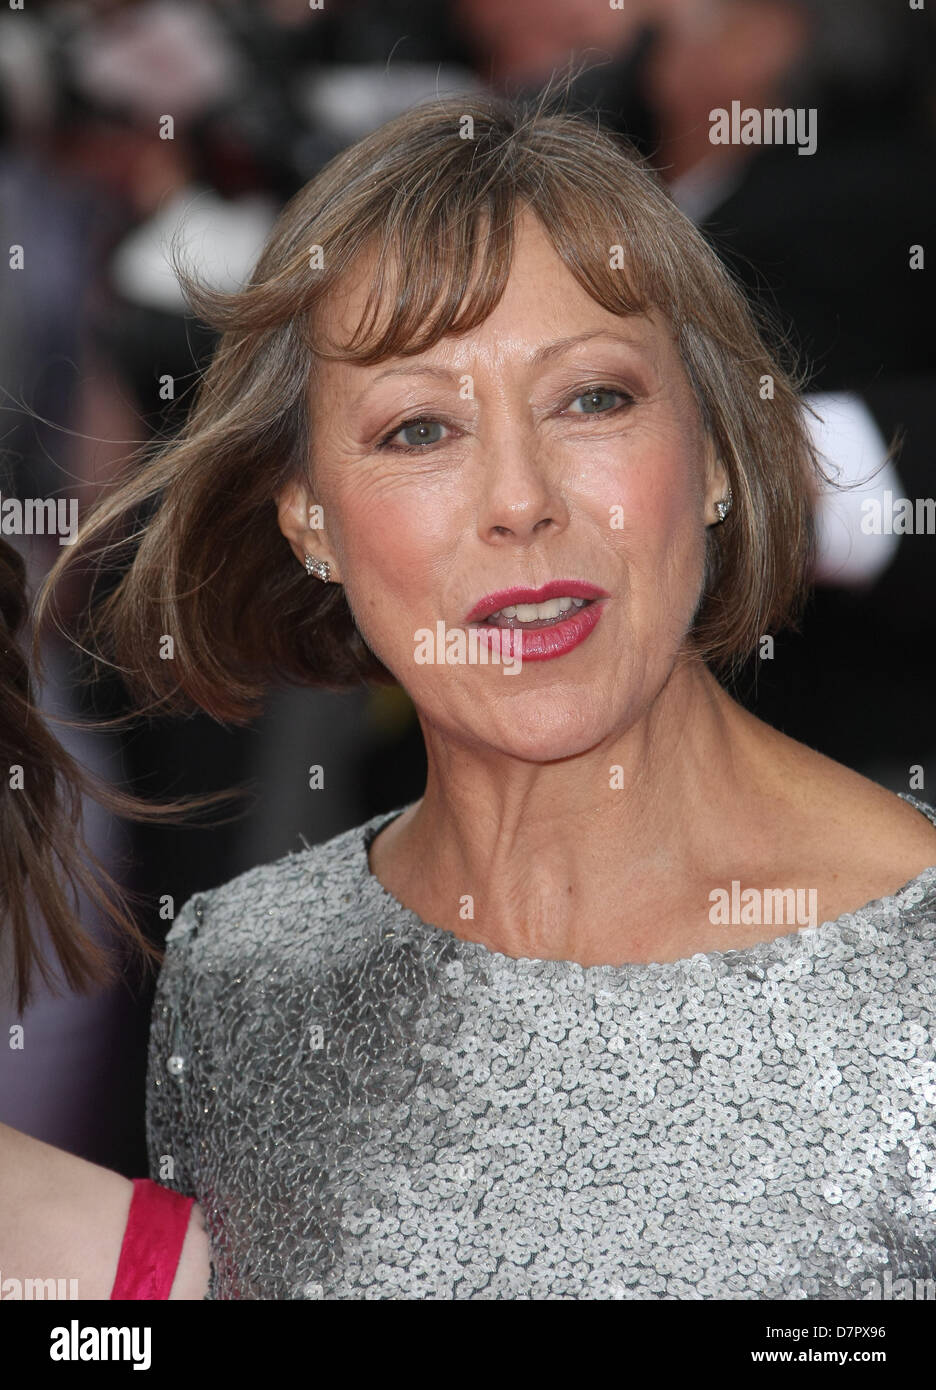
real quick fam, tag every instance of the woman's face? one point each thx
(558, 442)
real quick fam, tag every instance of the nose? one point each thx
(521, 495)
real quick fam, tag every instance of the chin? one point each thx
(542, 729)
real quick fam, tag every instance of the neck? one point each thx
(556, 856)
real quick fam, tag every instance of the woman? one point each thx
(551, 1030)
(68, 1228)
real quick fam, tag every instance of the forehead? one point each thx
(542, 303)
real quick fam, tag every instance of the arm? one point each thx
(194, 1269)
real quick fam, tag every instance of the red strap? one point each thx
(149, 1257)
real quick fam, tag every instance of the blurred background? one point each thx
(122, 124)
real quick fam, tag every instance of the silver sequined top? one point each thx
(368, 1106)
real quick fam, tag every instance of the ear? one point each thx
(301, 521)
(717, 486)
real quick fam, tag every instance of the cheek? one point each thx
(654, 503)
(659, 537)
(382, 534)
(394, 548)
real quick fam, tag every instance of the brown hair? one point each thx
(43, 860)
(436, 194)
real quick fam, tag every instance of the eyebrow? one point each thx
(543, 354)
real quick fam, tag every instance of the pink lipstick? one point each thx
(542, 637)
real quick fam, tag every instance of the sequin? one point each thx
(368, 1107)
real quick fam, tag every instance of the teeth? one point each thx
(533, 612)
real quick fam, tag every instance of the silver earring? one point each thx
(319, 568)
(723, 506)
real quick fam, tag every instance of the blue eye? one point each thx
(593, 401)
(416, 434)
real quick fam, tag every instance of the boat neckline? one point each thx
(380, 896)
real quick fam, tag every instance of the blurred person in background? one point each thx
(72, 1086)
(66, 1224)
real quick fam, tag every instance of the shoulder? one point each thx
(869, 815)
(848, 829)
(63, 1217)
(263, 907)
(59, 1213)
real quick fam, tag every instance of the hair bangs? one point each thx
(615, 275)
(437, 271)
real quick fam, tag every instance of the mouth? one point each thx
(531, 609)
(531, 616)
